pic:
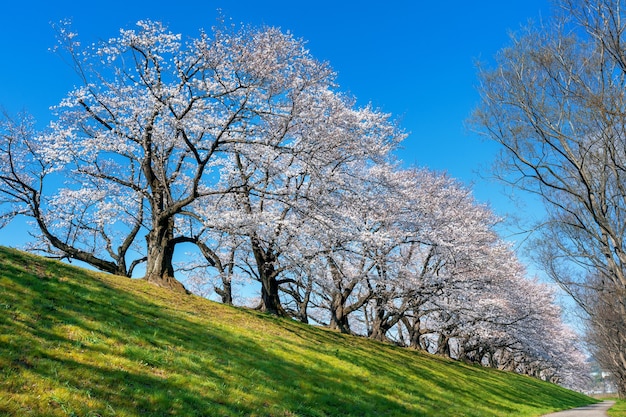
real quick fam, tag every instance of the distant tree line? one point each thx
(240, 144)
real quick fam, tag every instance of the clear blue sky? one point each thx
(412, 58)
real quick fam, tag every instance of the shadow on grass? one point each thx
(96, 349)
(90, 346)
(450, 385)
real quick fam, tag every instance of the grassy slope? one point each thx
(78, 343)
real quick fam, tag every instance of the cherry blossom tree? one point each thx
(213, 268)
(439, 233)
(400, 240)
(240, 144)
(352, 248)
(171, 123)
(421, 265)
(94, 222)
(279, 187)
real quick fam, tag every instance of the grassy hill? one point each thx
(78, 343)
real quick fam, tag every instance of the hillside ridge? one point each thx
(79, 343)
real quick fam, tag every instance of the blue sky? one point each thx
(412, 58)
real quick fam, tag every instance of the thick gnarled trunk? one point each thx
(160, 247)
(270, 300)
(226, 292)
(338, 314)
(380, 326)
(340, 309)
(267, 275)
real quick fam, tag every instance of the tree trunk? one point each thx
(159, 267)
(378, 331)
(443, 345)
(299, 299)
(620, 382)
(382, 322)
(225, 271)
(413, 328)
(270, 300)
(338, 317)
(303, 303)
(226, 292)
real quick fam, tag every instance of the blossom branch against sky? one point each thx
(413, 59)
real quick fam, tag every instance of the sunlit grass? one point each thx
(79, 343)
(619, 409)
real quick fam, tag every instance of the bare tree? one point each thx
(606, 328)
(556, 102)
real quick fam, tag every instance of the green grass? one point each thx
(79, 343)
(619, 409)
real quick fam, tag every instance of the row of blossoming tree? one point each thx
(240, 144)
